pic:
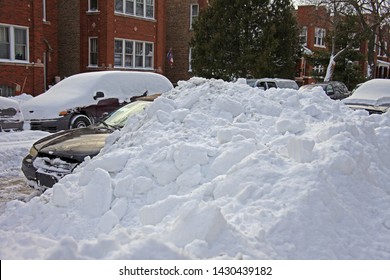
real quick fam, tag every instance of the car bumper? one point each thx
(42, 177)
(52, 125)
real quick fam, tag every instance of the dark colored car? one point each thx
(83, 99)
(334, 89)
(372, 96)
(11, 117)
(57, 155)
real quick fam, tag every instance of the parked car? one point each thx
(372, 96)
(58, 154)
(11, 117)
(334, 89)
(267, 83)
(83, 99)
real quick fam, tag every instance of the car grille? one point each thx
(39, 126)
(53, 166)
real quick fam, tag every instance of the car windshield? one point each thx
(120, 116)
(288, 84)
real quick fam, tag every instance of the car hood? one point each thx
(75, 144)
(45, 107)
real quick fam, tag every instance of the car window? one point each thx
(262, 85)
(120, 116)
(288, 84)
(329, 90)
(271, 84)
(8, 112)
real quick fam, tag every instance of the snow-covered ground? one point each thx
(13, 147)
(217, 170)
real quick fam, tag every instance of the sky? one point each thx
(216, 170)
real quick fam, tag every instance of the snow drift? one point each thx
(217, 170)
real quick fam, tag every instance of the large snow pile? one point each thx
(216, 170)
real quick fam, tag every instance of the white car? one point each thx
(11, 117)
(267, 83)
(372, 96)
(84, 99)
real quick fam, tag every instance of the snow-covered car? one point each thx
(334, 89)
(58, 154)
(11, 117)
(83, 99)
(372, 96)
(267, 83)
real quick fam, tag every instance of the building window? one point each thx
(13, 43)
(118, 53)
(319, 37)
(129, 8)
(319, 69)
(194, 13)
(303, 36)
(93, 5)
(4, 43)
(129, 54)
(382, 50)
(133, 54)
(93, 51)
(148, 55)
(139, 8)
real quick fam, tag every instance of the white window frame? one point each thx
(147, 5)
(90, 8)
(319, 37)
(303, 36)
(141, 46)
(12, 44)
(320, 69)
(90, 64)
(193, 16)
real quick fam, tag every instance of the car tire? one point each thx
(79, 121)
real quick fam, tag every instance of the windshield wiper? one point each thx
(112, 127)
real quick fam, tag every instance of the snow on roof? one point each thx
(217, 170)
(78, 91)
(6, 103)
(373, 92)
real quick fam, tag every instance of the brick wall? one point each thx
(68, 37)
(179, 36)
(29, 77)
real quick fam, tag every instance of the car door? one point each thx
(102, 108)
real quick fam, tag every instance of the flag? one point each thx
(170, 57)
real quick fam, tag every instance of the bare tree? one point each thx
(373, 21)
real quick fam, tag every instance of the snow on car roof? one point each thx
(78, 90)
(6, 103)
(373, 92)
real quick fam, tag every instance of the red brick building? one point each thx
(313, 23)
(42, 41)
(28, 44)
(180, 16)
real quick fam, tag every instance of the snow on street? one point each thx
(217, 170)
(13, 147)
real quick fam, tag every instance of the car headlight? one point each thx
(33, 152)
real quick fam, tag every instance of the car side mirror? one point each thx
(99, 94)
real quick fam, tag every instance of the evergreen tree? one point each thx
(287, 49)
(244, 38)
